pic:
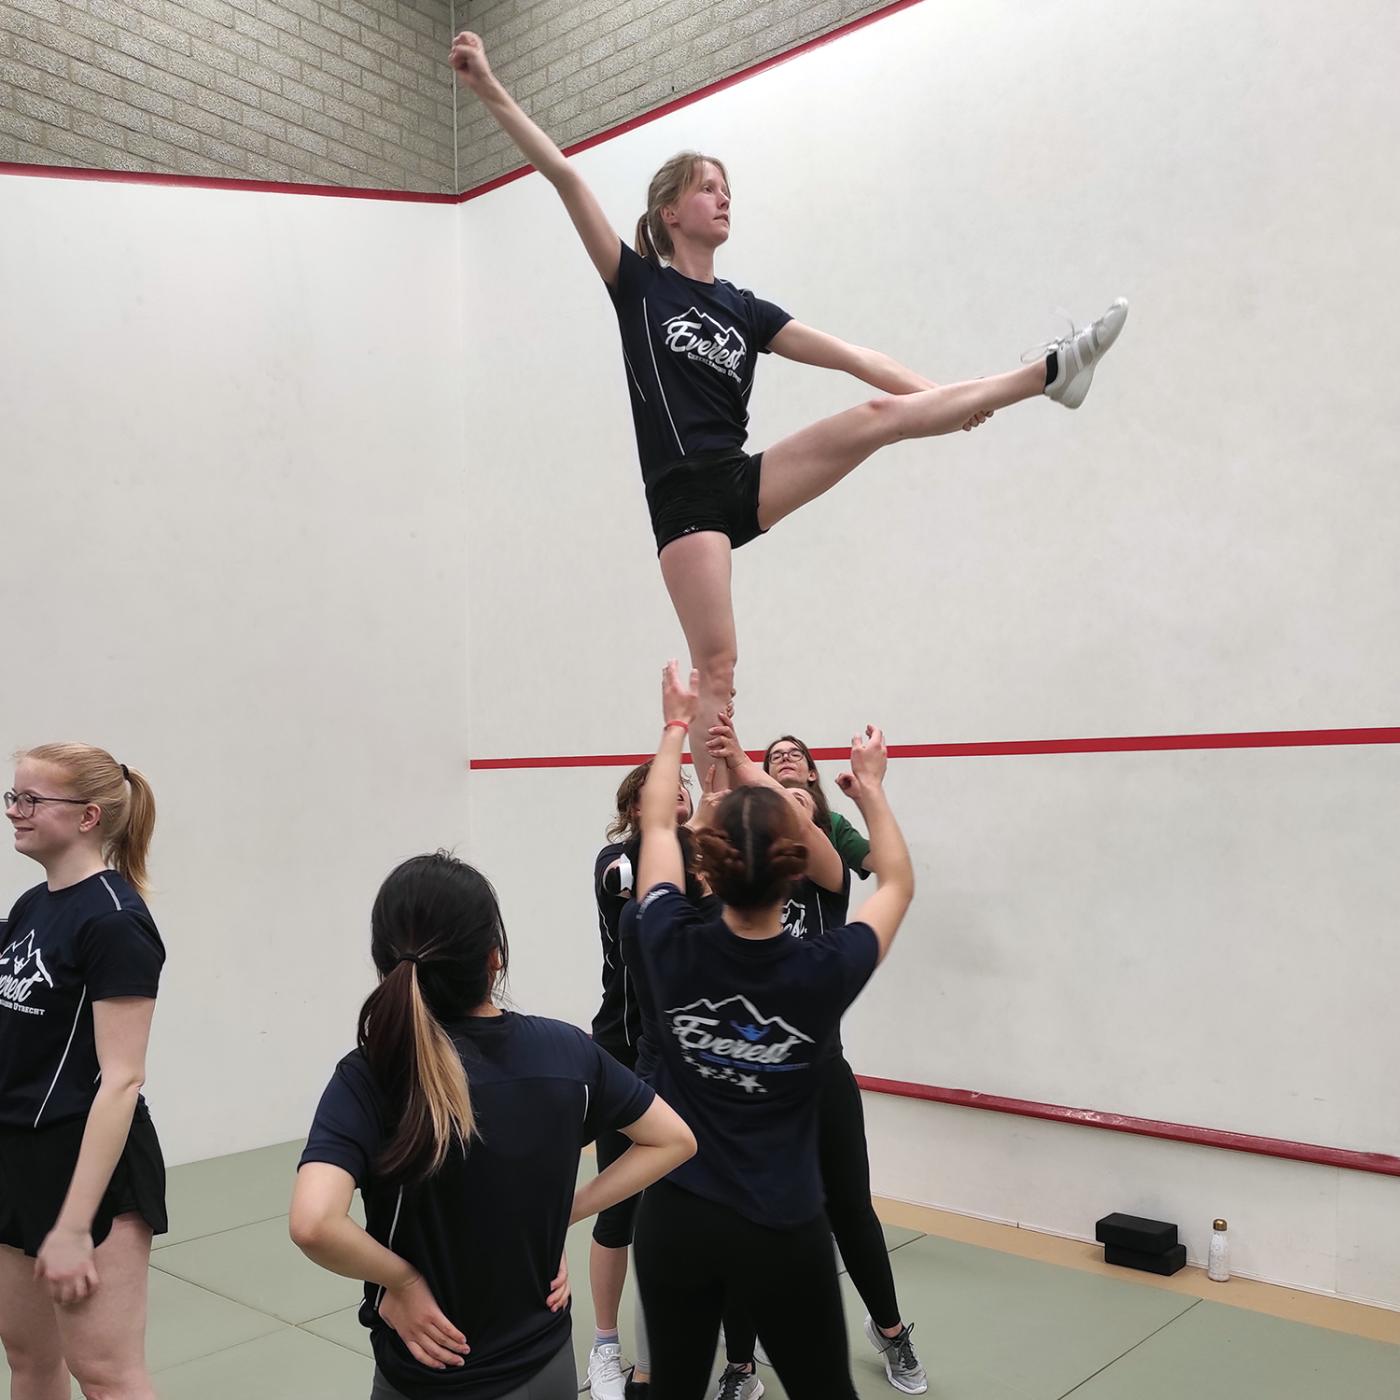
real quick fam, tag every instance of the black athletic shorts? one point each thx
(36, 1166)
(706, 491)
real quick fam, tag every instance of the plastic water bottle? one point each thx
(1218, 1267)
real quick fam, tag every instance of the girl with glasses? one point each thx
(82, 1180)
(461, 1125)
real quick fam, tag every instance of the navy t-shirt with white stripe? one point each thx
(617, 1024)
(487, 1231)
(812, 912)
(742, 1025)
(63, 950)
(691, 349)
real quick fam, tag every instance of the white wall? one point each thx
(1211, 544)
(232, 502)
(243, 552)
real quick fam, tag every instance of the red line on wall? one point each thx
(656, 113)
(210, 182)
(1142, 743)
(1346, 1157)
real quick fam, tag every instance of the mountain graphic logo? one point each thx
(697, 333)
(21, 954)
(795, 918)
(26, 970)
(741, 1006)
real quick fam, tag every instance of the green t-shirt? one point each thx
(850, 845)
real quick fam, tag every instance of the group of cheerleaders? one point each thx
(729, 1133)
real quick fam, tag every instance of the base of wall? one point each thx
(1291, 1304)
(1324, 1234)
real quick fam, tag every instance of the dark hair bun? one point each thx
(751, 855)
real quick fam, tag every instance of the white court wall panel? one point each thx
(1203, 546)
(1211, 544)
(232, 499)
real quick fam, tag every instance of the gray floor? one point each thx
(236, 1311)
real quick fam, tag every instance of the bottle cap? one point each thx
(1219, 1225)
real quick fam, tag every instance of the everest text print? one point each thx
(704, 340)
(732, 1041)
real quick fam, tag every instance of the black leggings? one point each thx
(695, 1257)
(845, 1165)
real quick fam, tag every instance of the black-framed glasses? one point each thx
(777, 755)
(25, 802)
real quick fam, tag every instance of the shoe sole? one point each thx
(1077, 390)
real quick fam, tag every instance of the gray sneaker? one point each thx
(738, 1384)
(902, 1368)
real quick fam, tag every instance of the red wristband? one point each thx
(678, 723)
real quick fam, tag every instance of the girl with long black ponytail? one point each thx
(745, 1012)
(461, 1124)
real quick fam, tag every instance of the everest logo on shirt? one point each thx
(21, 969)
(700, 337)
(735, 1042)
(795, 918)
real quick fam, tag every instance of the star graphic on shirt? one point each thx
(706, 1071)
(749, 1083)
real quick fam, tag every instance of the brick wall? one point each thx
(581, 68)
(352, 92)
(355, 92)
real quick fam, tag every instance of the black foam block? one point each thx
(1134, 1232)
(1167, 1262)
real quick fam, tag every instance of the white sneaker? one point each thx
(605, 1378)
(1079, 352)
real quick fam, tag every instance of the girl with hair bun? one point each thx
(844, 1159)
(744, 1013)
(690, 343)
(461, 1124)
(82, 1180)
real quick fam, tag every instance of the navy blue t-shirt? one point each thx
(813, 912)
(617, 1024)
(691, 350)
(487, 1231)
(630, 945)
(62, 951)
(647, 1041)
(741, 1026)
